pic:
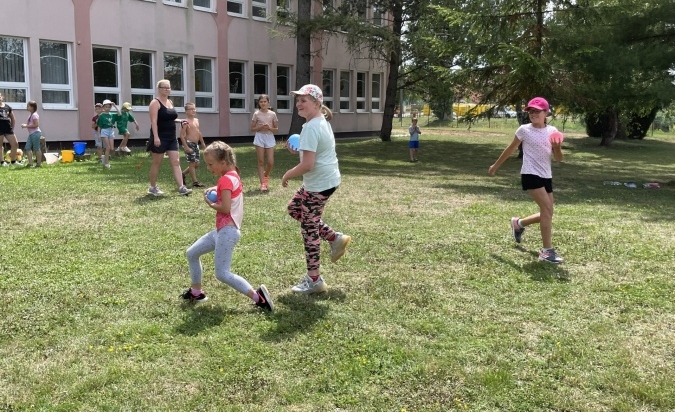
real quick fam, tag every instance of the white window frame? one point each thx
(146, 92)
(260, 4)
(242, 3)
(110, 90)
(177, 3)
(60, 87)
(376, 99)
(285, 97)
(347, 98)
(209, 95)
(361, 77)
(18, 85)
(210, 9)
(175, 92)
(328, 99)
(240, 96)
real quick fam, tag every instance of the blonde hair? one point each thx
(222, 152)
(189, 104)
(159, 83)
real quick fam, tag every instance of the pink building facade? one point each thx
(221, 54)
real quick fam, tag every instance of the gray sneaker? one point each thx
(307, 286)
(155, 191)
(338, 246)
(516, 230)
(549, 255)
(184, 191)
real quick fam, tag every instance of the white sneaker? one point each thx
(126, 149)
(106, 165)
(155, 191)
(338, 246)
(307, 286)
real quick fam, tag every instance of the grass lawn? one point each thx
(434, 308)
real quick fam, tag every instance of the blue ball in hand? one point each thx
(212, 196)
(294, 142)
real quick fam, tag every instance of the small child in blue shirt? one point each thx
(414, 143)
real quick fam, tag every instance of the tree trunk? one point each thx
(610, 126)
(392, 79)
(638, 126)
(594, 124)
(303, 59)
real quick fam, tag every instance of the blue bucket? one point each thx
(79, 148)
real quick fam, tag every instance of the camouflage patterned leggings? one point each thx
(307, 208)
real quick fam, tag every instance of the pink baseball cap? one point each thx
(310, 90)
(537, 103)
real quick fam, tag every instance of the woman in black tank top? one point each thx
(163, 139)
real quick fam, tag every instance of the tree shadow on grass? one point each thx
(201, 317)
(148, 199)
(547, 272)
(537, 270)
(302, 313)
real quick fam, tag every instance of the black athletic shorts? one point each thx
(530, 182)
(164, 146)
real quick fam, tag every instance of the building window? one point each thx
(176, 2)
(203, 5)
(174, 71)
(284, 89)
(260, 81)
(328, 83)
(55, 70)
(345, 91)
(259, 9)
(237, 86)
(283, 8)
(236, 8)
(361, 9)
(375, 91)
(106, 74)
(361, 86)
(378, 17)
(13, 83)
(328, 6)
(204, 95)
(142, 82)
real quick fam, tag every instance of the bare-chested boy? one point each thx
(192, 140)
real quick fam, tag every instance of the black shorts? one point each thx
(164, 146)
(6, 130)
(530, 182)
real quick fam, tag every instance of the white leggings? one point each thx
(222, 242)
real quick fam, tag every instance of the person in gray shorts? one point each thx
(192, 140)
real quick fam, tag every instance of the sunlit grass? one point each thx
(433, 307)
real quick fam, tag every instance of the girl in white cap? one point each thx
(320, 178)
(539, 142)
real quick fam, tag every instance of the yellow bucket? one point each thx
(67, 156)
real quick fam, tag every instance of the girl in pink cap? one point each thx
(539, 141)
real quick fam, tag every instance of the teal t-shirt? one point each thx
(106, 120)
(317, 136)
